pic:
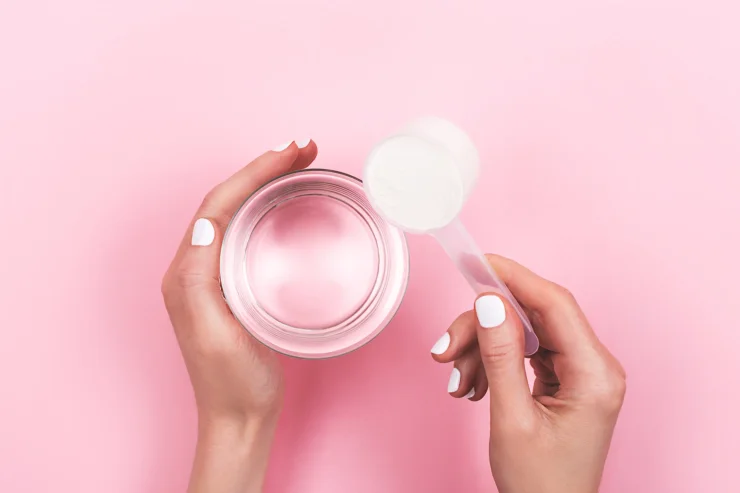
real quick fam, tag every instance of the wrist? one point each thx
(222, 413)
(231, 454)
(247, 430)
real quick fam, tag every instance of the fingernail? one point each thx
(282, 147)
(302, 143)
(470, 394)
(490, 311)
(454, 382)
(442, 344)
(203, 233)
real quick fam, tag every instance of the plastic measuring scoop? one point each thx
(418, 180)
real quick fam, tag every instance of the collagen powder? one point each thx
(419, 179)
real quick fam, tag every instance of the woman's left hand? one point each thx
(236, 380)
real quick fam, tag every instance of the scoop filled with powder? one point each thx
(419, 180)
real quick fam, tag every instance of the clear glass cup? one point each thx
(309, 268)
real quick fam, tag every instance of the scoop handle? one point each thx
(471, 263)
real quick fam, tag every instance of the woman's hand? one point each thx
(555, 438)
(236, 380)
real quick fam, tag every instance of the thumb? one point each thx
(501, 341)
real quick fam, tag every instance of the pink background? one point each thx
(610, 136)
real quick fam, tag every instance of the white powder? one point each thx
(420, 178)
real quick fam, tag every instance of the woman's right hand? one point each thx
(555, 438)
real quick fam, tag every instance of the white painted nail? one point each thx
(302, 143)
(490, 311)
(454, 382)
(282, 147)
(442, 344)
(203, 233)
(470, 394)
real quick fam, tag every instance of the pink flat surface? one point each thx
(609, 133)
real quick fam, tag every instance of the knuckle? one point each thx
(213, 208)
(210, 199)
(609, 395)
(183, 280)
(620, 370)
(166, 286)
(565, 294)
(618, 387)
(498, 350)
(557, 298)
(498, 354)
(554, 296)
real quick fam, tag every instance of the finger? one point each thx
(546, 381)
(501, 342)
(542, 389)
(464, 373)
(457, 340)
(224, 200)
(542, 363)
(232, 192)
(307, 154)
(480, 387)
(192, 282)
(562, 326)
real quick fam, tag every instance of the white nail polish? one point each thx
(442, 344)
(203, 233)
(470, 394)
(282, 147)
(454, 382)
(302, 143)
(490, 311)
